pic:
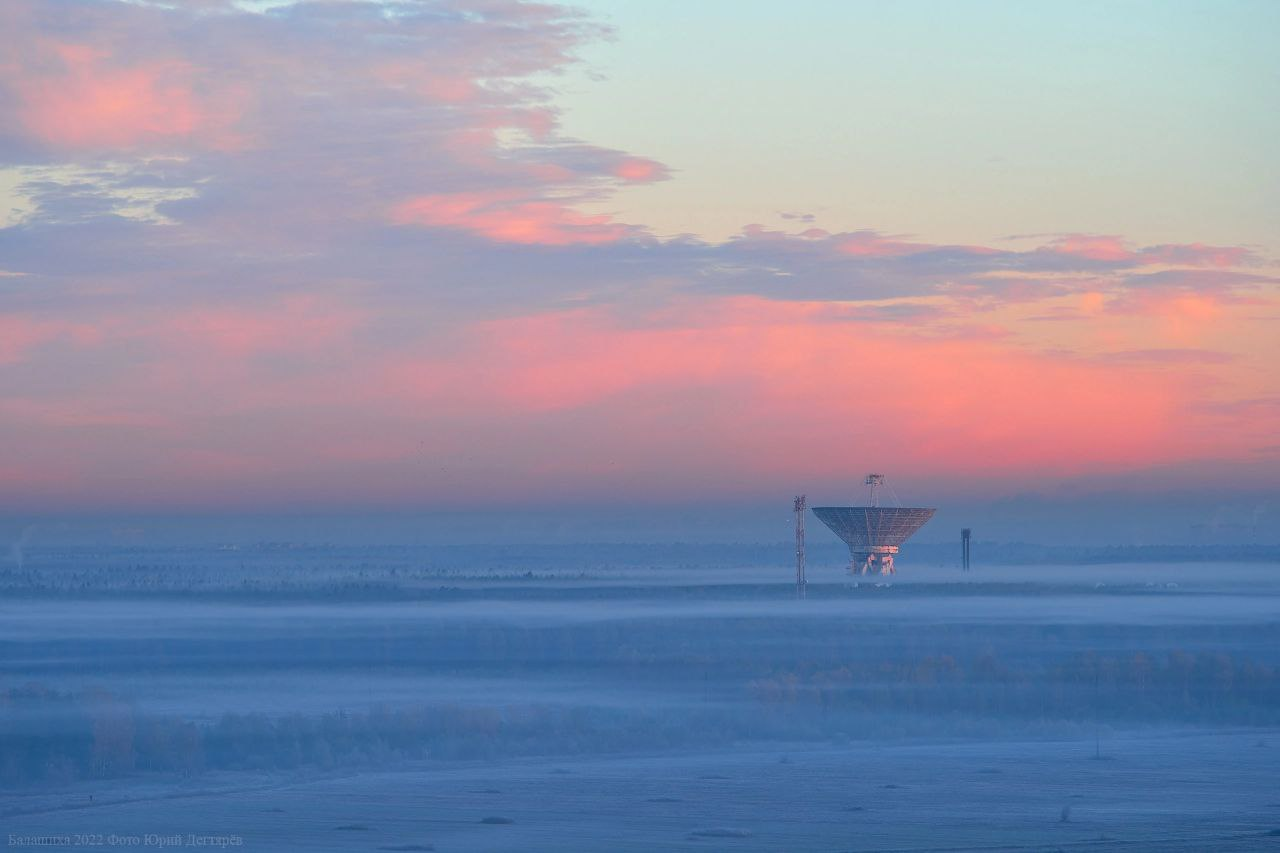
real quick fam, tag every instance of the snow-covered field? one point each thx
(1174, 790)
(311, 701)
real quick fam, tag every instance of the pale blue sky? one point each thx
(954, 121)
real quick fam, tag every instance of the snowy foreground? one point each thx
(308, 702)
(1170, 791)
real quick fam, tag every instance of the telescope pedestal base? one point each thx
(876, 560)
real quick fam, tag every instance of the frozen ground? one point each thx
(313, 700)
(1158, 791)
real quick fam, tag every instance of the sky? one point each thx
(501, 256)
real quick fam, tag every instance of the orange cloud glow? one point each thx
(945, 404)
(709, 395)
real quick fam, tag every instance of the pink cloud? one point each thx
(1116, 250)
(695, 394)
(873, 244)
(79, 97)
(1185, 317)
(72, 414)
(20, 335)
(639, 170)
(200, 376)
(430, 82)
(870, 244)
(952, 404)
(1198, 255)
(296, 324)
(1092, 302)
(507, 218)
(1092, 247)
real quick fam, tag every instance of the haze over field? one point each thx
(359, 699)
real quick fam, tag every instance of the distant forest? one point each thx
(588, 555)
(49, 736)
(287, 570)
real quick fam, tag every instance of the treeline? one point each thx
(430, 572)
(1025, 553)
(48, 736)
(324, 581)
(1178, 686)
(213, 565)
(56, 738)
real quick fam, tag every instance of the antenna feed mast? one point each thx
(875, 481)
(800, 505)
